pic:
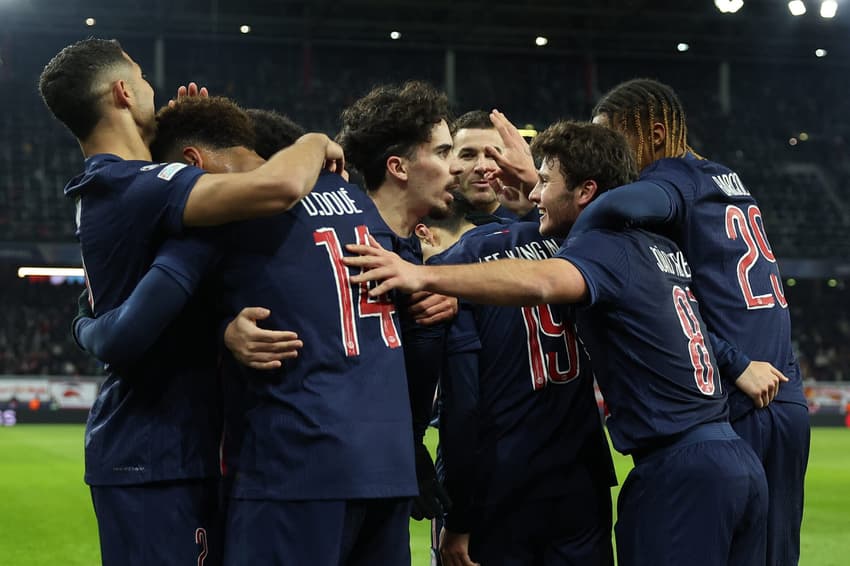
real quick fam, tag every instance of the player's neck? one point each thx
(121, 138)
(393, 208)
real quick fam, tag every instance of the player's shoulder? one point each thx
(472, 243)
(108, 171)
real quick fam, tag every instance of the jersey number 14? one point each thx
(380, 307)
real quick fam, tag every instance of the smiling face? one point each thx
(431, 173)
(469, 144)
(558, 204)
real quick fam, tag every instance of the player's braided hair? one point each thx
(634, 106)
(587, 151)
(390, 120)
(215, 123)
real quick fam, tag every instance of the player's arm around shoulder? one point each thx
(274, 187)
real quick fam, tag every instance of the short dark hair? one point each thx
(390, 120)
(215, 123)
(474, 119)
(68, 80)
(272, 131)
(587, 151)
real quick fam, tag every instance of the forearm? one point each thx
(730, 361)
(121, 335)
(638, 204)
(516, 282)
(274, 187)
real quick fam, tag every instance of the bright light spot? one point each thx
(791, 282)
(540, 41)
(50, 272)
(729, 6)
(820, 52)
(828, 8)
(792, 141)
(90, 22)
(682, 47)
(527, 132)
(245, 28)
(796, 7)
(804, 136)
(832, 282)
(395, 35)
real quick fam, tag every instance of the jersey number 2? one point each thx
(380, 307)
(545, 368)
(750, 228)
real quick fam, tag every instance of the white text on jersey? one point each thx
(671, 262)
(731, 185)
(332, 203)
(531, 250)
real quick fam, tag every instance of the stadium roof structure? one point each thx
(761, 29)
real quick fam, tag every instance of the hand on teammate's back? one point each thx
(257, 347)
(761, 382)
(432, 500)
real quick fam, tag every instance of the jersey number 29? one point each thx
(749, 226)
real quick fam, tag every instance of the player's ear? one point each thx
(192, 156)
(121, 94)
(397, 167)
(425, 234)
(587, 192)
(659, 135)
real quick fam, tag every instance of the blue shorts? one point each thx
(165, 523)
(701, 501)
(355, 532)
(779, 434)
(572, 528)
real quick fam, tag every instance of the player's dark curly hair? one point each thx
(634, 106)
(272, 131)
(390, 120)
(215, 123)
(67, 83)
(587, 151)
(474, 119)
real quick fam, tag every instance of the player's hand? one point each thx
(83, 311)
(432, 500)
(431, 308)
(257, 347)
(760, 381)
(335, 159)
(454, 549)
(516, 165)
(379, 264)
(512, 198)
(189, 91)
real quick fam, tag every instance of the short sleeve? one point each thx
(163, 190)
(603, 262)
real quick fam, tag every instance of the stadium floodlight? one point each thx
(828, 8)
(50, 272)
(541, 41)
(820, 52)
(245, 28)
(729, 6)
(395, 35)
(796, 7)
(682, 47)
(90, 22)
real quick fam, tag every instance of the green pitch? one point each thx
(46, 515)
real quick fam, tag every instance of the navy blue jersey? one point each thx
(719, 226)
(160, 419)
(651, 356)
(335, 422)
(519, 379)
